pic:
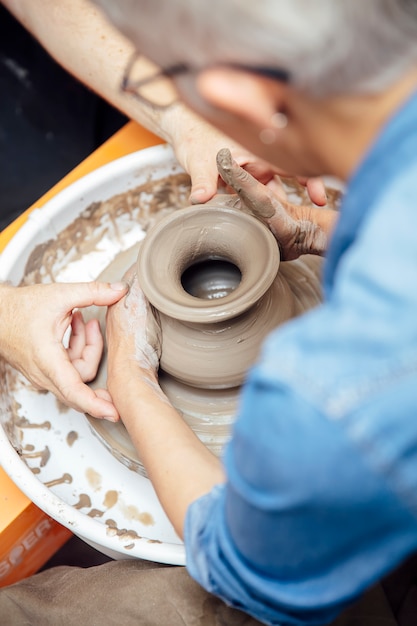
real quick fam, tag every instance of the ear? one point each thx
(245, 94)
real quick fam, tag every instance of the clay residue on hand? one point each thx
(242, 182)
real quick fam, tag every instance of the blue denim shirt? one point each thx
(321, 493)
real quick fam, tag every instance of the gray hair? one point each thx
(327, 46)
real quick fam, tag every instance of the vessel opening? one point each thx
(211, 279)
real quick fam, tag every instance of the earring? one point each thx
(278, 122)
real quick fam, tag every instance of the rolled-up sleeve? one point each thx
(303, 524)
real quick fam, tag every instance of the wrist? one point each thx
(177, 122)
(310, 239)
(125, 377)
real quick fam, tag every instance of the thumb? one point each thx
(78, 295)
(204, 178)
(254, 195)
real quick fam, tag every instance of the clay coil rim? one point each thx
(197, 233)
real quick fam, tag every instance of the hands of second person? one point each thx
(34, 320)
(196, 144)
(298, 229)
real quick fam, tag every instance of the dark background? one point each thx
(49, 121)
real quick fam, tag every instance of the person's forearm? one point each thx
(179, 466)
(78, 36)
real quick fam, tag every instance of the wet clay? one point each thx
(186, 267)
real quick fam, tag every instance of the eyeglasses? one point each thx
(156, 88)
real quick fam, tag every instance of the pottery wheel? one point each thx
(63, 464)
(209, 412)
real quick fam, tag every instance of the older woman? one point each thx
(316, 499)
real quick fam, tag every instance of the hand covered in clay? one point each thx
(133, 338)
(298, 229)
(196, 144)
(33, 322)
